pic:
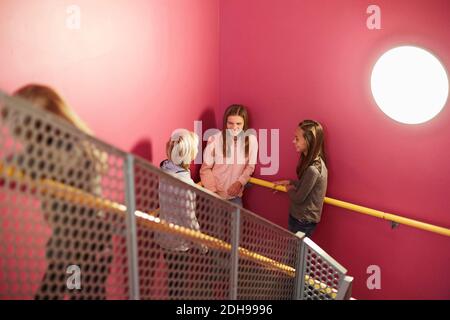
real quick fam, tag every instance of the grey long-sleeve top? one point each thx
(177, 206)
(306, 199)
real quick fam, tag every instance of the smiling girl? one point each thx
(230, 156)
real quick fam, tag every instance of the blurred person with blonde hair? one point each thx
(177, 206)
(73, 162)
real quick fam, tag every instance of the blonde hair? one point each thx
(182, 147)
(48, 99)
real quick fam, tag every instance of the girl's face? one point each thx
(235, 124)
(300, 142)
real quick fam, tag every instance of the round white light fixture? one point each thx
(409, 84)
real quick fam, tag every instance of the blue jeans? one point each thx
(296, 225)
(237, 201)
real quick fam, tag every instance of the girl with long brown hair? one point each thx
(308, 192)
(230, 156)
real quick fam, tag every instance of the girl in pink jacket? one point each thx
(230, 156)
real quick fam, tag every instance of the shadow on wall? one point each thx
(143, 149)
(208, 121)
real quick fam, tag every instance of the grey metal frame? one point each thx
(299, 269)
(345, 289)
(131, 229)
(235, 254)
(339, 269)
(237, 213)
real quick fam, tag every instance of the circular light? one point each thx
(409, 84)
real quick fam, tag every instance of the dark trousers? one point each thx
(296, 225)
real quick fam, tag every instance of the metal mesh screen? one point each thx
(179, 263)
(267, 259)
(60, 236)
(323, 275)
(64, 232)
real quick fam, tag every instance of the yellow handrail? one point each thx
(149, 220)
(365, 210)
(74, 195)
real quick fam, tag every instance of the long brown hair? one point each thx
(235, 110)
(46, 98)
(314, 137)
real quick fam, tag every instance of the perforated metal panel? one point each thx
(173, 262)
(68, 222)
(57, 222)
(267, 259)
(323, 275)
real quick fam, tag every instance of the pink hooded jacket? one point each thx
(218, 173)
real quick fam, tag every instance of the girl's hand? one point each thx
(234, 189)
(204, 249)
(282, 183)
(290, 187)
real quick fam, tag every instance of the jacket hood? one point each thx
(170, 167)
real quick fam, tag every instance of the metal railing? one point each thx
(78, 219)
(364, 210)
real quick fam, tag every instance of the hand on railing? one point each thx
(279, 186)
(204, 249)
(282, 183)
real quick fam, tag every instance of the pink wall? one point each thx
(137, 69)
(290, 60)
(134, 71)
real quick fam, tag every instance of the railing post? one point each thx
(345, 289)
(131, 235)
(300, 268)
(235, 234)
